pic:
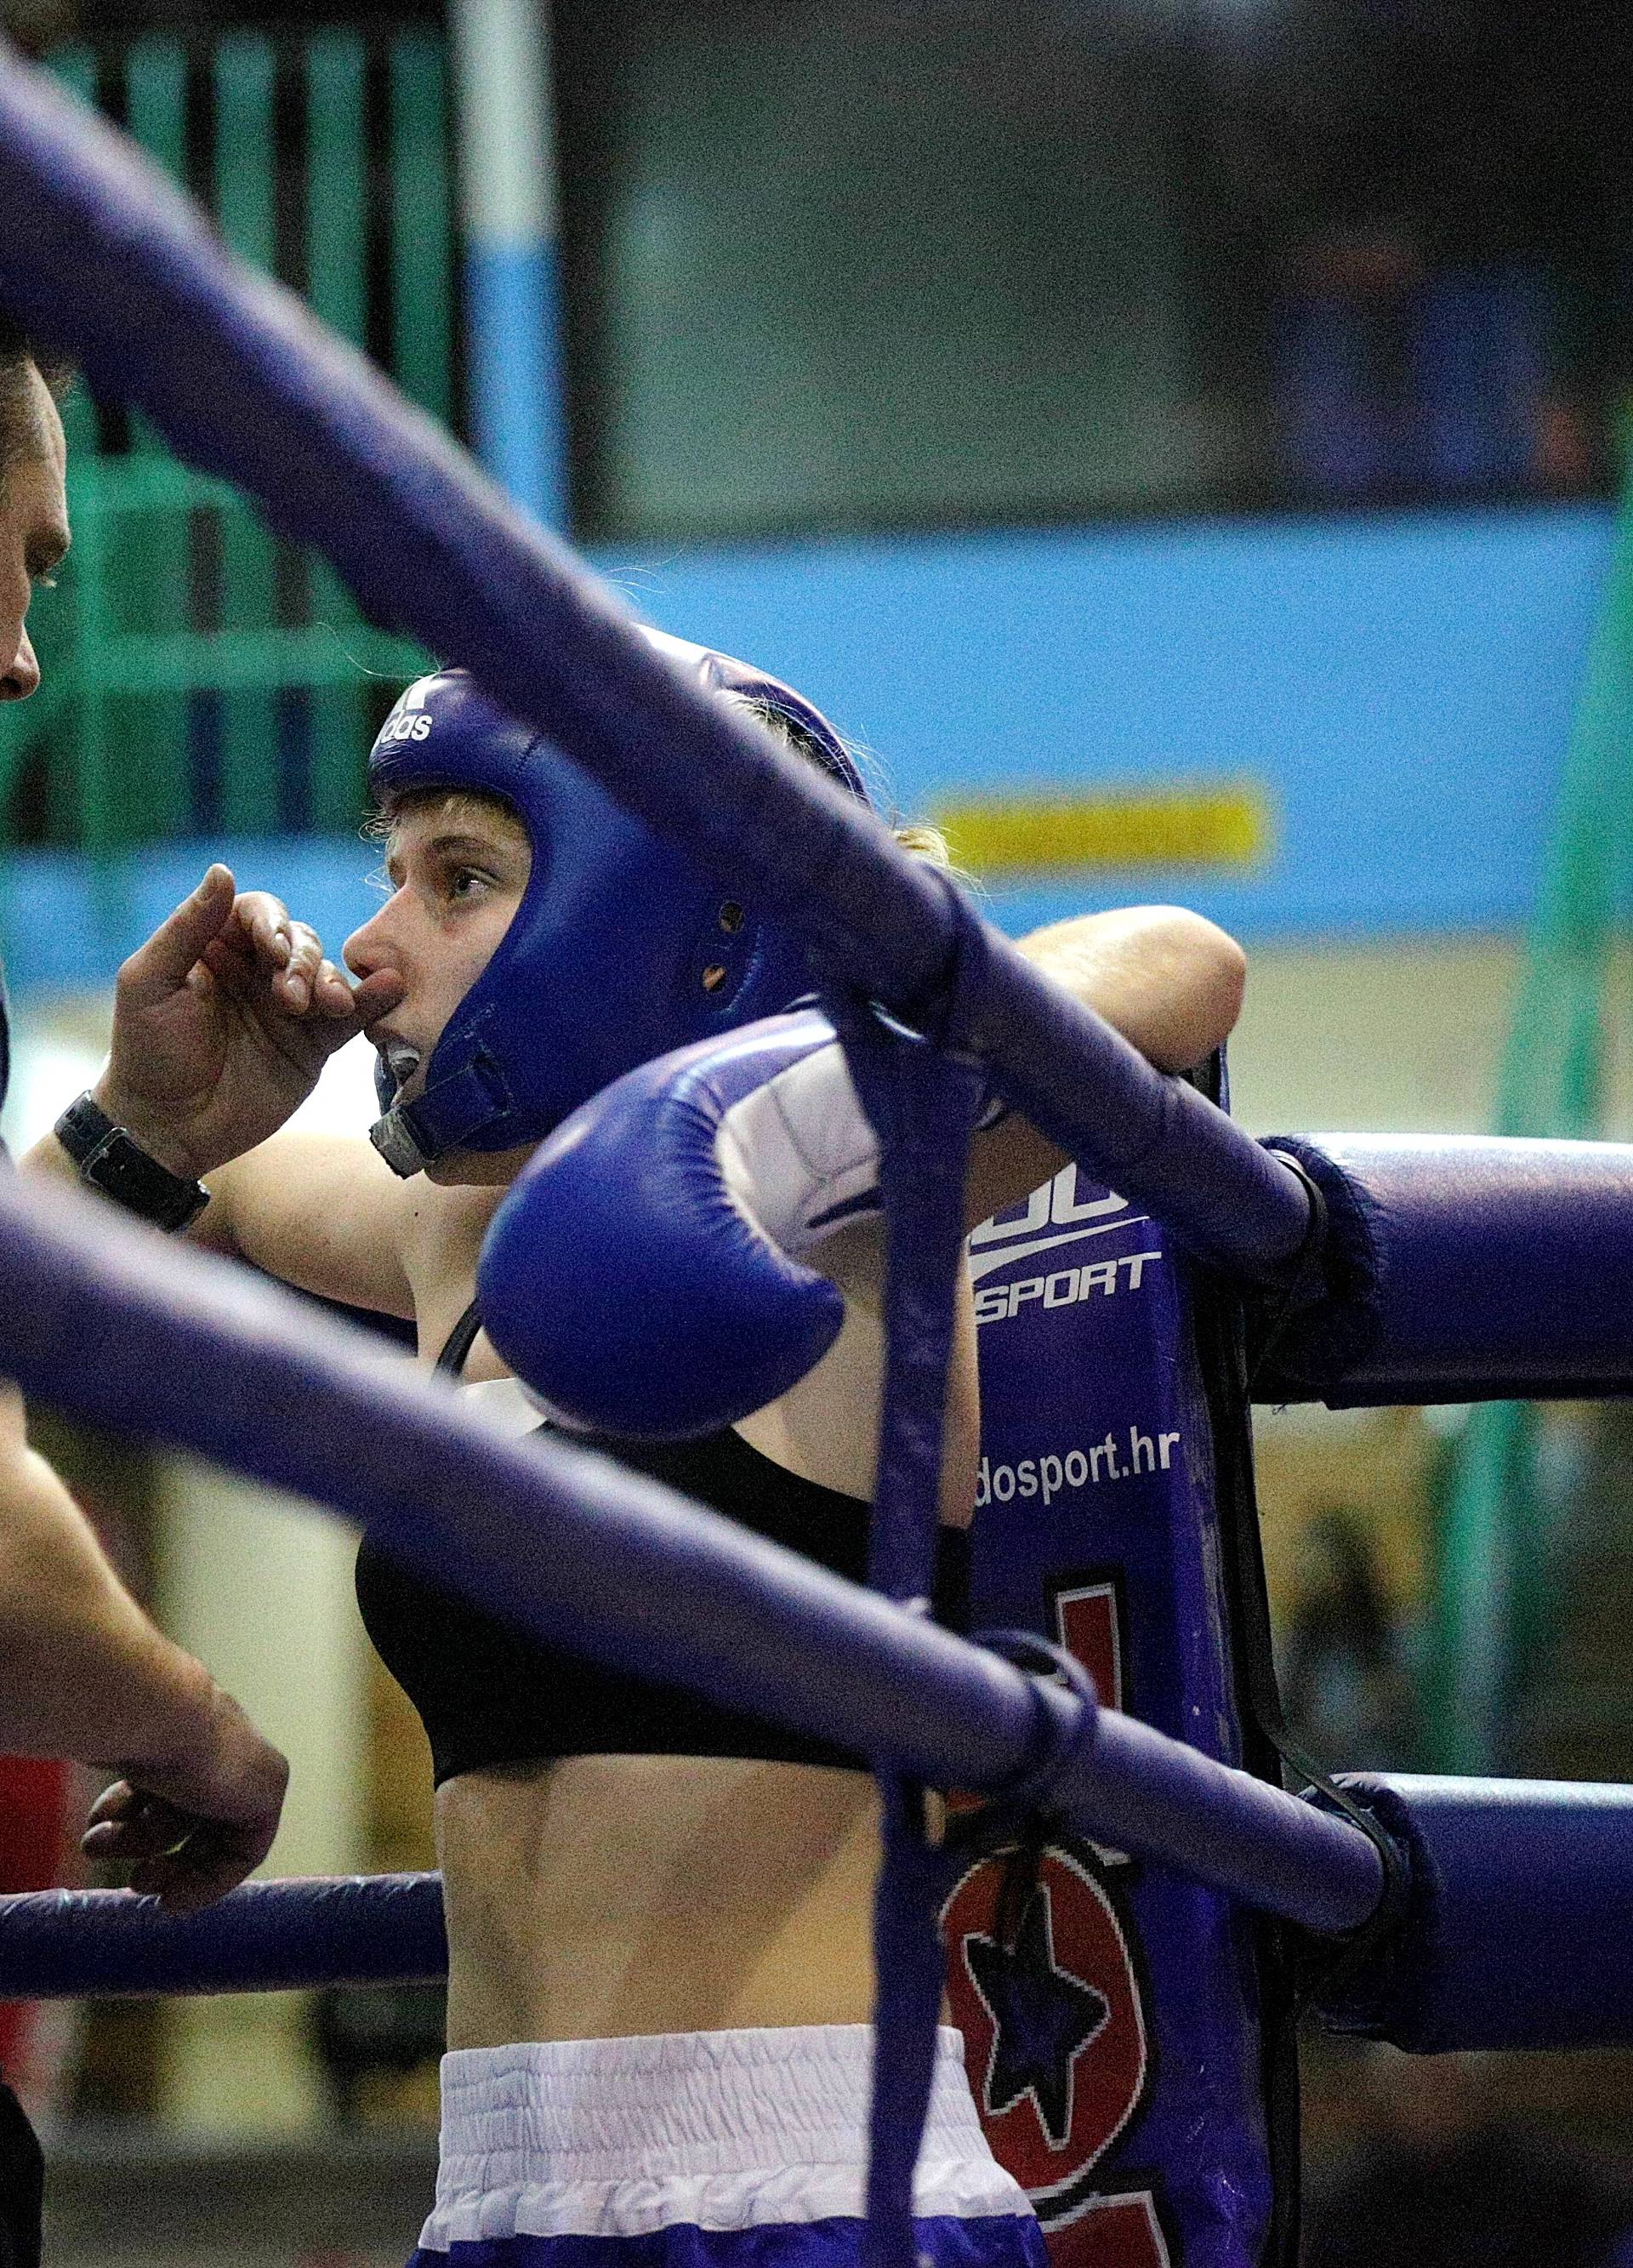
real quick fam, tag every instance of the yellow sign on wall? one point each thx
(1218, 825)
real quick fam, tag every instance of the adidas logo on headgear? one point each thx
(409, 719)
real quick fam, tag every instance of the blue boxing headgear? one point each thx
(621, 949)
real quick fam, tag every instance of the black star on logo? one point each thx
(1042, 2018)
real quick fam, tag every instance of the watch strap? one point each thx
(111, 1159)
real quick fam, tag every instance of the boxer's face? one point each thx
(33, 518)
(456, 865)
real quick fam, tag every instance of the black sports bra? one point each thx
(487, 1695)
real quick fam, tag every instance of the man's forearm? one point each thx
(84, 1673)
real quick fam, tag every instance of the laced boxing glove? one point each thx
(644, 1278)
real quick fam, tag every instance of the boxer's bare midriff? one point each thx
(605, 1897)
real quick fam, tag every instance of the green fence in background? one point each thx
(1502, 1560)
(199, 675)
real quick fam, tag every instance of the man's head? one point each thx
(33, 504)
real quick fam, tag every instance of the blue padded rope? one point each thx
(105, 1320)
(104, 256)
(263, 1937)
(923, 1104)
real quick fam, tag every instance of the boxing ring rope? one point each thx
(101, 255)
(372, 1929)
(107, 1324)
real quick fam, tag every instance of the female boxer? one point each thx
(674, 1901)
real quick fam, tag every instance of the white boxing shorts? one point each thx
(743, 2149)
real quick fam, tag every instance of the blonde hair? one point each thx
(930, 844)
(917, 836)
(459, 802)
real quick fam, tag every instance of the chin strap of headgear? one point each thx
(447, 1116)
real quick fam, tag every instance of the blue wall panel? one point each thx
(1402, 687)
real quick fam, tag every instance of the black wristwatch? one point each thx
(109, 1159)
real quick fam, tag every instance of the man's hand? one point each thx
(84, 1673)
(223, 1021)
(191, 1827)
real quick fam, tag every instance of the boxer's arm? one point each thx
(706, 1185)
(1169, 980)
(323, 1211)
(222, 1022)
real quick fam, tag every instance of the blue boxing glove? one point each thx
(644, 1278)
